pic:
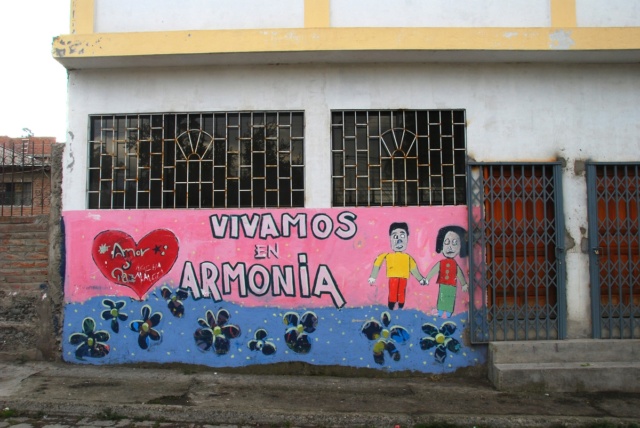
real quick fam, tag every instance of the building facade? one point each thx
(347, 182)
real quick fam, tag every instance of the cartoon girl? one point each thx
(450, 242)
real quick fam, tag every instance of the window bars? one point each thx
(196, 160)
(614, 240)
(25, 176)
(398, 158)
(516, 242)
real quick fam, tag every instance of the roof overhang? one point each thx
(348, 45)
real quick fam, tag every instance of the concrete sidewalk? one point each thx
(195, 396)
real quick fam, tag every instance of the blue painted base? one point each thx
(354, 337)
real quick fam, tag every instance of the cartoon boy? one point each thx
(399, 265)
(449, 242)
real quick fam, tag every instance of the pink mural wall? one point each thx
(389, 260)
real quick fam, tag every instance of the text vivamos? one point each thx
(288, 280)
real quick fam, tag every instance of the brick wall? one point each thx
(31, 250)
(24, 271)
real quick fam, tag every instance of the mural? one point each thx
(228, 288)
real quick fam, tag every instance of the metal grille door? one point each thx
(614, 238)
(517, 256)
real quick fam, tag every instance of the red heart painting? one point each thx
(137, 266)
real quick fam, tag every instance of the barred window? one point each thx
(196, 160)
(16, 194)
(398, 158)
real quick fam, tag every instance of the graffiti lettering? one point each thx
(265, 226)
(137, 266)
(118, 251)
(259, 280)
(119, 273)
(266, 252)
(123, 277)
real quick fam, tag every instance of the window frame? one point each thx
(221, 159)
(22, 198)
(398, 157)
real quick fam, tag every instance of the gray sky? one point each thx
(33, 86)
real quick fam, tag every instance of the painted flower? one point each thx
(296, 336)
(440, 339)
(114, 313)
(174, 301)
(261, 343)
(215, 332)
(386, 337)
(145, 327)
(90, 342)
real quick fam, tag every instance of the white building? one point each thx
(530, 111)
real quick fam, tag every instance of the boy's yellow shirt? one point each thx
(399, 265)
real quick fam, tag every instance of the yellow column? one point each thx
(317, 13)
(563, 13)
(82, 16)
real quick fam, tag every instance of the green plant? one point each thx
(9, 413)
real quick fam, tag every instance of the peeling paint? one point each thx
(63, 48)
(71, 157)
(292, 35)
(584, 241)
(569, 242)
(510, 34)
(561, 40)
(584, 245)
(579, 167)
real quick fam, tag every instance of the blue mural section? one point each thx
(170, 326)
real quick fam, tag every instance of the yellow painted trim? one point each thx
(82, 16)
(344, 39)
(563, 13)
(317, 13)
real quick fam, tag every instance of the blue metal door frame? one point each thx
(516, 246)
(613, 196)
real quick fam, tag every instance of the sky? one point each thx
(33, 85)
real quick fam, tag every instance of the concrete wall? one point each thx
(614, 13)
(196, 33)
(124, 16)
(514, 113)
(539, 81)
(438, 13)
(188, 286)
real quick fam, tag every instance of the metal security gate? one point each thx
(614, 241)
(517, 268)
